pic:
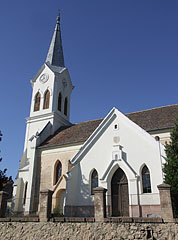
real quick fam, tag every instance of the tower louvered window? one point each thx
(46, 100)
(60, 102)
(65, 106)
(37, 102)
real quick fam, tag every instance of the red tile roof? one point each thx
(151, 119)
(155, 118)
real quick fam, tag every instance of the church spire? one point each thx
(55, 53)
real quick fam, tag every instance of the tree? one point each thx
(171, 167)
(3, 178)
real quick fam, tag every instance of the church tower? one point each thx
(52, 88)
(50, 109)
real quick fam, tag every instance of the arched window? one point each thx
(58, 171)
(46, 100)
(25, 193)
(60, 102)
(94, 181)
(37, 102)
(146, 183)
(65, 106)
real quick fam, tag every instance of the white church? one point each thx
(119, 153)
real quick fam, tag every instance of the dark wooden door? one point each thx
(119, 192)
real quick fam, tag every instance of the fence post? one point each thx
(165, 201)
(3, 203)
(100, 204)
(45, 205)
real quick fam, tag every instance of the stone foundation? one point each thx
(92, 231)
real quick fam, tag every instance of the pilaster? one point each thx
(100, 204)
(165, 201)
(45, 205)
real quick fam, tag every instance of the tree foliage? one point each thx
(171, 167)
(3, 177)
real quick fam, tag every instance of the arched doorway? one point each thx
(119, 194)
(60, 200)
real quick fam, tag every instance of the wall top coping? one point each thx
(100, 189)
(164, 186)
(91, 220)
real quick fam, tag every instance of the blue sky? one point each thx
(120, 54)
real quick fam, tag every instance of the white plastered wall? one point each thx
(138, 148)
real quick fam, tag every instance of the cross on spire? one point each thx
(58, 17)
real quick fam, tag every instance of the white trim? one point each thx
(93, 136)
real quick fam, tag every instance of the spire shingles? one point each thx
(55, 55)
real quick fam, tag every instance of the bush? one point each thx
(171, 167)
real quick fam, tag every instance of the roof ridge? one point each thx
(152, 109)
(89, 121)
(129, 113)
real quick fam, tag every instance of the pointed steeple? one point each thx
(55, 53)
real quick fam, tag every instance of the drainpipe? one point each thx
(138, 196)
(157, 138)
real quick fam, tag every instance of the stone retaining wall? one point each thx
(86, 231)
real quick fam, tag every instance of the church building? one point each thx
(123, 153)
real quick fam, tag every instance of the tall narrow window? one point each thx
(46, 100)
(94, 181)
(37, 102)
(58, 171)
(146, 183)
(25, 193)
(59, 102)
(65, 106)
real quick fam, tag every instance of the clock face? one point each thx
(44, 78)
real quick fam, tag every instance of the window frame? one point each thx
(25, 192)
(92, 184)
(37, 102)
(59, 105)
(46, 101)
(65, 106)
(146, 180)
(56, 170)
